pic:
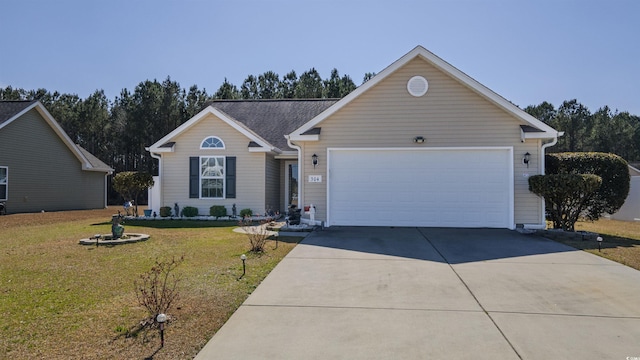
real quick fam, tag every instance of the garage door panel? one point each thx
(452, 188)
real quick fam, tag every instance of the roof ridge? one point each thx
(274, 100)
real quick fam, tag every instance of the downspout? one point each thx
(106, 183)
(300, 164)
(542, 165)
(159, 157)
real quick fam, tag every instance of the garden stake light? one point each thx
(161, 318)
(599, 239)
(243, 257)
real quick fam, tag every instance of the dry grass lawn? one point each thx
(62, 300)
(621, 240)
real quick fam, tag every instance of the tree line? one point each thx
(117, 131)
(602, 131)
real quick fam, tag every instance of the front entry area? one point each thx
(291, 184)
(430, 187)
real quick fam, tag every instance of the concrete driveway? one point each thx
(430, 293)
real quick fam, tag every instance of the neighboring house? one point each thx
(630, 211)
(419, 144)
(41, 168)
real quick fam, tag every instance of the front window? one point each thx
(212, 142)
(4, 182)
(212, 177)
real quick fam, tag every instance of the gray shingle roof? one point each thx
(272, 119)
(8, 109)
(96, 163)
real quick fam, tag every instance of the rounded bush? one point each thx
(246, 212)
(218, 211)
(165, 211)
(613, 170)
(189, 211)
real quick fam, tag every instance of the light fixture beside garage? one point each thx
(419, 139)
(526, 158)
(314, 160)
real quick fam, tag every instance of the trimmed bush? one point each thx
(218, 211)
(246, 212)
(189, 211)
(165, 211)
(566, 195)
(613, 170)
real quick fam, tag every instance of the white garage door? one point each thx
(426, 187)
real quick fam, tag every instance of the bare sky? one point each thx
(527, 51)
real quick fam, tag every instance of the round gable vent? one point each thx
(417, 86)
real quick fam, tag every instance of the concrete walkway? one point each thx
(407, 293)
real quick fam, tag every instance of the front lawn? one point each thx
(62, 300)
(621, 240)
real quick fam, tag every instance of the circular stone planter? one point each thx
(106, 239)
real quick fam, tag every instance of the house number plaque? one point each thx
(315, 178)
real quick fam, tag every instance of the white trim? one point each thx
(225, 118)
(305, 137)
(258, 150)
(447, 68)
(511, 220)
(223, 177)
(6, 185)
(212, 148)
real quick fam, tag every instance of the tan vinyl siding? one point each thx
(282, 176)
(250, 168)
(44, 174)
(449, 115)
(272, 183)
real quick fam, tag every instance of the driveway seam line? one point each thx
(359, 308)
(568, 315)
(504, 336)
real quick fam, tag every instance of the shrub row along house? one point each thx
(419, 144)
(41, 168)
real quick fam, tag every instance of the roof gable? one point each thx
(264, 122)
(11, 111)
(544, 131)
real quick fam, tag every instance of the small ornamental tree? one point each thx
(566, 196)
(131, 183)
(613, 170)
(157, 289)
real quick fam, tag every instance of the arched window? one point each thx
(212, 142)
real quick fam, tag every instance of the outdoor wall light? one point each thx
(161, 319)
(419, 139)
(314, 160)
(526, 158)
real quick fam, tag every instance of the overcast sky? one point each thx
(527, 51)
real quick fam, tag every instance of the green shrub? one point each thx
(189, 211)
(218, 211)
(165, 211)
(566, 195)
(246, 213)
(613, 170)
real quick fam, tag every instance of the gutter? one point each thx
(300, 164)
